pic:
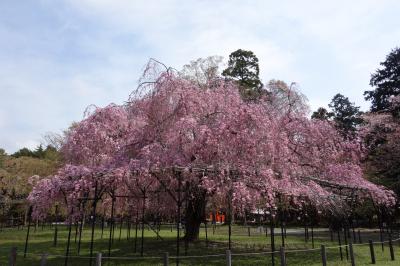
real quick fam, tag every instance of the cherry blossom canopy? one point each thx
(210, 140)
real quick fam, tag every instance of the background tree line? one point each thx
(15, 170)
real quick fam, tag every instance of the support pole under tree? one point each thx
(346, 242)
(186, 234)
(230, 220)
(136, 227)
(266, 224)
(312, 236)
(93, 223)
(111, 224)
(380, 229)
(230, 231)
(205, 228)
(80, 231)
(272, 242)
(178, 219)
(76, 231)
(391, 249)
(340, 244)
(68, 241)
(56, 228)
(305, 226)
(120, 229)
(102, 224)
(128, 232)
(27, 233)
(282, 229)
(143, 209)
(372, 251)
(113, 230)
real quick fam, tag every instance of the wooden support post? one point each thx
(312, 237)
(282, 223)
(391, 249)
(381, 236)
(340, 245)
(166, 259)
(13, 257)
(76, 231)
(346, 242)
(305, 233)
(68, 243)
(136, 230)
(56, 228)
(128, 232)
(186, 243)
(248, 230)
(43, 260)
(359, 236)
(102, 225)
(98, 259)
(27, 233)
(143, 210)
(353, 263)
(228, 258)
(93, 223)
(82, 220)
(178, 221)
(272, 243)
(282, 255)
(323, 255)
(230, 230)
(120, 229)
(205, 228)
(372, 251)
(111, 225)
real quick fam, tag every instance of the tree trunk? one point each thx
(195, 214)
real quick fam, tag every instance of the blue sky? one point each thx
(58, 57)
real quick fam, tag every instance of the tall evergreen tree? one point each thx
(322, 114)
(346, 115)
(243, 67)
(386, 82)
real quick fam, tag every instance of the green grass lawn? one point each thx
(41, 241)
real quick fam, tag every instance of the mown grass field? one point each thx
(41, 241)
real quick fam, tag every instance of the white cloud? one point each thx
(30, 144)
